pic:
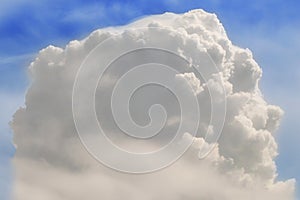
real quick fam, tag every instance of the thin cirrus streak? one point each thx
(166, 88)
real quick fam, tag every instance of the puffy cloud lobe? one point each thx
(51, 163)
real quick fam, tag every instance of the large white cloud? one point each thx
(51, 162)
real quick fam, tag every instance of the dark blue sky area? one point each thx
(32, 25)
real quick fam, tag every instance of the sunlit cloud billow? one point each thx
(168, 99)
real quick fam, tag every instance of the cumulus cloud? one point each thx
(51, 162)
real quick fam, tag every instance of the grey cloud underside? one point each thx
(51, 162)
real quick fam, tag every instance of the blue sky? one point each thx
(270, 29)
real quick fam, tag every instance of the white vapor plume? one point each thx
(52, 163)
